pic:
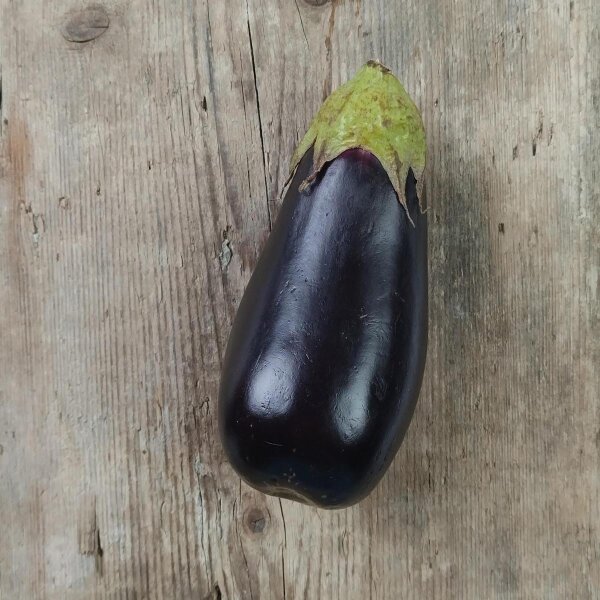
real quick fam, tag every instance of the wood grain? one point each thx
(133, 163)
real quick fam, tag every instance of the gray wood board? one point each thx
(140, 144)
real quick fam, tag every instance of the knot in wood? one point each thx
(256, 521)
(85, 25)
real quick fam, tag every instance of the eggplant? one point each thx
(326, 353)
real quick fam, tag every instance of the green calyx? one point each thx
(374, 112)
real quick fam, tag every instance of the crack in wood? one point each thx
(260, 127)
(283, 573)
(302, 24)
(214, 594)
(1, 119)
(283, 521)
(283, 549)
(241, 543)
(90, 543)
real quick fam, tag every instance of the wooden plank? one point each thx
(140, 169)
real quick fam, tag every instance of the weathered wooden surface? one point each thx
(130, 161)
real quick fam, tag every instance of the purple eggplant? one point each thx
(326, 354)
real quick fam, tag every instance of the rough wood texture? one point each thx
(139, 175)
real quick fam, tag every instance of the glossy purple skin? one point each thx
(326, 354)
